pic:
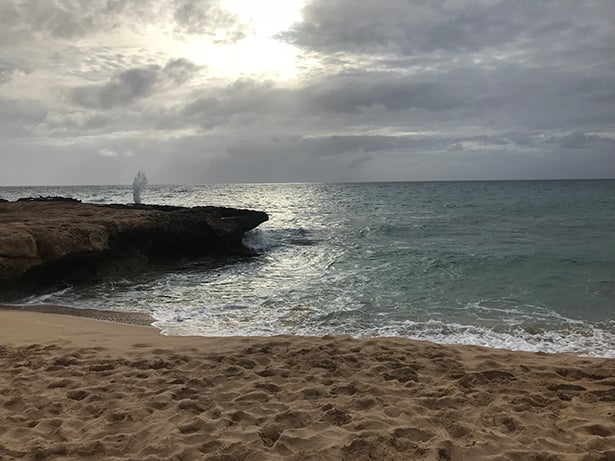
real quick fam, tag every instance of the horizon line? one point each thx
(129, 185)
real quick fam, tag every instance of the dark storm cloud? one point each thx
(132, 84)
(413, 27)
(504, 98)
(334, 94)
(341, 93)
(496, 64)
(243, 97)
(121, 90)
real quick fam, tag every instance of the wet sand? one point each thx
(83, 388)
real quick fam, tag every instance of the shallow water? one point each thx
(522, 265)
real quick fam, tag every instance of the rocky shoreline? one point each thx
(51, 240)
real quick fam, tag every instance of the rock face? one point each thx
(46, 241)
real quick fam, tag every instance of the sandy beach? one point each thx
(80, 388)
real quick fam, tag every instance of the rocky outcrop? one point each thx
(44, 241)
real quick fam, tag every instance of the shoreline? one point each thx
(81, 387)
(146, 319)
(129, 318)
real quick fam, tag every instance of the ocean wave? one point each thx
(583, 339)
(269, 239)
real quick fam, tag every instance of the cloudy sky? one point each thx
(199, 91)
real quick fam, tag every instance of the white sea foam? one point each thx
(257, 240)
(589, 340)
(221, 320)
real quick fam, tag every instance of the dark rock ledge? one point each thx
(49, 240)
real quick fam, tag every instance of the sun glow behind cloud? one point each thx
(259, 53)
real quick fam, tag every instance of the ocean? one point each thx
(521, 265)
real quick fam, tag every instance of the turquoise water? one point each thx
(522, 265)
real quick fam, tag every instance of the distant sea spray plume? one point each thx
(138, 185)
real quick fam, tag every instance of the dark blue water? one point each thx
(523, 265)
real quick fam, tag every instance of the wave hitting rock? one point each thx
(75, 388)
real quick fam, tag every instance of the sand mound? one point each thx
(93, 390)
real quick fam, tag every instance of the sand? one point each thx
(79, 388)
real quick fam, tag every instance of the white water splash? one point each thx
(138, 185)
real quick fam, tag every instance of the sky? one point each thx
(219, 91)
